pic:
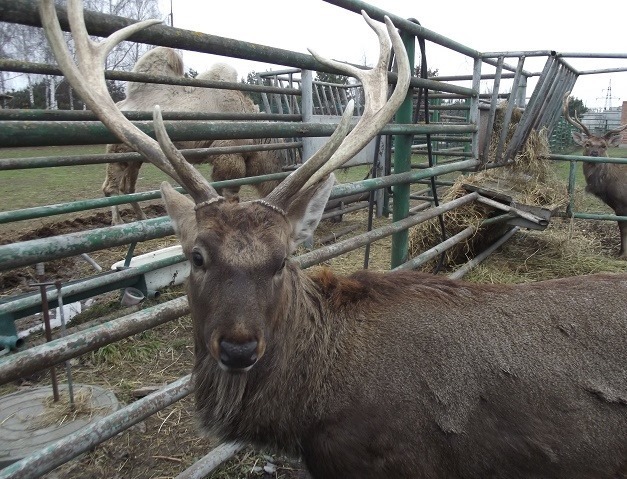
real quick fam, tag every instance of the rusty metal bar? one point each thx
(203, 467)
(71, 446)
(59, 350)
(331, 251)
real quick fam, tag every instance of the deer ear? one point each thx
(181, 211)
(305, 210)
(579, 138)
(614, 138)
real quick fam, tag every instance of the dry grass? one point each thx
(529, 180)
(62, 411)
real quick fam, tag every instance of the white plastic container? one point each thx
(162, 277)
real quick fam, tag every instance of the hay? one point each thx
(58, 413)
(529, 180)
(564, 249)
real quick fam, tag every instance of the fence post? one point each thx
(402, 163)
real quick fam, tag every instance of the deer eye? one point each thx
(197, 258)
(281, 268)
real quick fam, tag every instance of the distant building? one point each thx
(598, 122)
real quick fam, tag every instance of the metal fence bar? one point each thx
(211, 461)
(59, 350)
(41, 250)
(462, 271)
(336, 249)
(79, 160)
(82, 205)
(71, 446)
(30, 133)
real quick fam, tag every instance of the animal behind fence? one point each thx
(122, 177)
(607, 181)
(379, 375)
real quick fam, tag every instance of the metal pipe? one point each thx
(331, 251)
(49, 133)
(68, 368)
(57, 351)
(47, 329)
(86, 115)
(45, 69)
(33, 251)
(71, 446)
(402, 163)
(93, 284)
(463, 270)
(510, 209)
(204, 466)
(438, 249)
(83, 205)
(189, 154)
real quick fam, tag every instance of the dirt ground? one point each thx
(168, 442)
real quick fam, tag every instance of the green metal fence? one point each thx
(34, 128)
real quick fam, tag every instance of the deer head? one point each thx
(240, 253)
(593, 145)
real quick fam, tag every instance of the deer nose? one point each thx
(238, 355)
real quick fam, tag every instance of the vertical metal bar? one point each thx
(508, 112)
(317, 92)
(343, 97)
(325, 100)
(473, 114)
(572, 174)
(264, 95)
(524, 126)
(335, 91)
(492, 115)
(556, 107)
(522, 93)
(68, 368)
(306, 87)
(402, 163)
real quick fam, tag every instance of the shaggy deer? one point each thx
(607, 181)
(122, 176)
(377, 375)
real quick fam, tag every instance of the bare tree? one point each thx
(29, 44)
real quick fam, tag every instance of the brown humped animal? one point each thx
(382, 375)
(607, 181)
(122, 176)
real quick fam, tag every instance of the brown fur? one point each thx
(122, 177)
(607, 181)
(403, 375)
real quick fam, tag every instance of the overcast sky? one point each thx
(486, 26)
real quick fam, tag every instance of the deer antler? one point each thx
(87, 78)
(575, 122)
(378, 111)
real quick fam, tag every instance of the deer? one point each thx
(377, 374)
(121, 177)
(606, 181)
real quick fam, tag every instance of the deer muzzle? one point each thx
(238, 356)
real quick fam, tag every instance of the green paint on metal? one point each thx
(402, 164)
(60, 133)
(572, 174)
(83, 205)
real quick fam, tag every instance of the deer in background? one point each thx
(122, 176)
(607, 181)
(376, 375)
